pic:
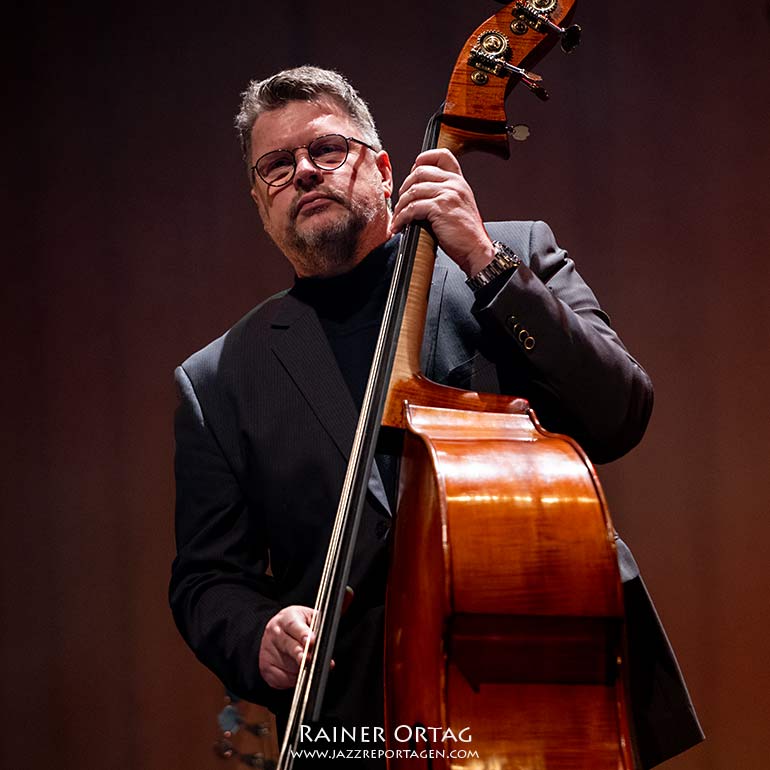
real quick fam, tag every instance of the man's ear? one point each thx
(258, 196)
(382, 160)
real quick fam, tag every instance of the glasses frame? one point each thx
(348, 139)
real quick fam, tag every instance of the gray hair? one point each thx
(307, 84)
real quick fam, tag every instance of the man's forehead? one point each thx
(297, 121)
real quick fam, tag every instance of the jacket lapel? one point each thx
(299, 342)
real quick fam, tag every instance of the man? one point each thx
(267, 411)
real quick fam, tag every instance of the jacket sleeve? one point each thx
(584, 381)
(219, 593)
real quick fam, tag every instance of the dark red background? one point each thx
(131, 241)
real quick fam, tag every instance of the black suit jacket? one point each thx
(263, 431)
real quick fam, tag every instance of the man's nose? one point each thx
(306, 173)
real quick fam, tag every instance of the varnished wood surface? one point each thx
(471, 113)
(504, 613)
(418, 604)
(528, 518)
(419, 389)
(406, 366)
(465, 99)
(504, 609)
(536, 726)
(519, 648)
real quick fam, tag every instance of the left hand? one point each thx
(436, 191)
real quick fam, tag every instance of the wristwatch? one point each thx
(505, 261)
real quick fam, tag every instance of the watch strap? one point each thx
(505, 261)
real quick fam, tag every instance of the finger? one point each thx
(280, 678)
(284, 651)
(285, 638)
(428, 207)
(440, 157)
(297, 625)
(275, 665)
(417, 211)
(289, 653)
(421, 174)
(348, 600)
(430, 191)
(283, 677)
(287, 661)
(291, 658)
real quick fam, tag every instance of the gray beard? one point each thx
(325, 252)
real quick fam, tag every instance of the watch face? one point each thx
(504, 255)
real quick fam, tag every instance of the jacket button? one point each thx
(382, 528)
(520, 333)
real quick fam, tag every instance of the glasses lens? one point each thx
(276, 167)
(328, 152)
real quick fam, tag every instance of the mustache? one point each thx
(330, 194)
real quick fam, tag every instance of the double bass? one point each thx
(504, 615)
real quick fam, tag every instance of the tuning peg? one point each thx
(257, 761)
(224, 749)
(570, 37)
(531, 80)
(537, 90)
(257, 728)
(229, 719)
(537, 19)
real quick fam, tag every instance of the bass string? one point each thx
(335, 570)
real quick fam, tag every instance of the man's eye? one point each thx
(324, 149)
(277, 163)
(276, 166)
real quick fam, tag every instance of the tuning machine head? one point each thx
(535, 14)
(570, 37)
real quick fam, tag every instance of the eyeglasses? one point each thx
(327, 152)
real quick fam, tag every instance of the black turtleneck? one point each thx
(350, 307)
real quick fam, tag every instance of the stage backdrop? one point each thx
(131, 242)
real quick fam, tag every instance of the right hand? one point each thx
(283, 644)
